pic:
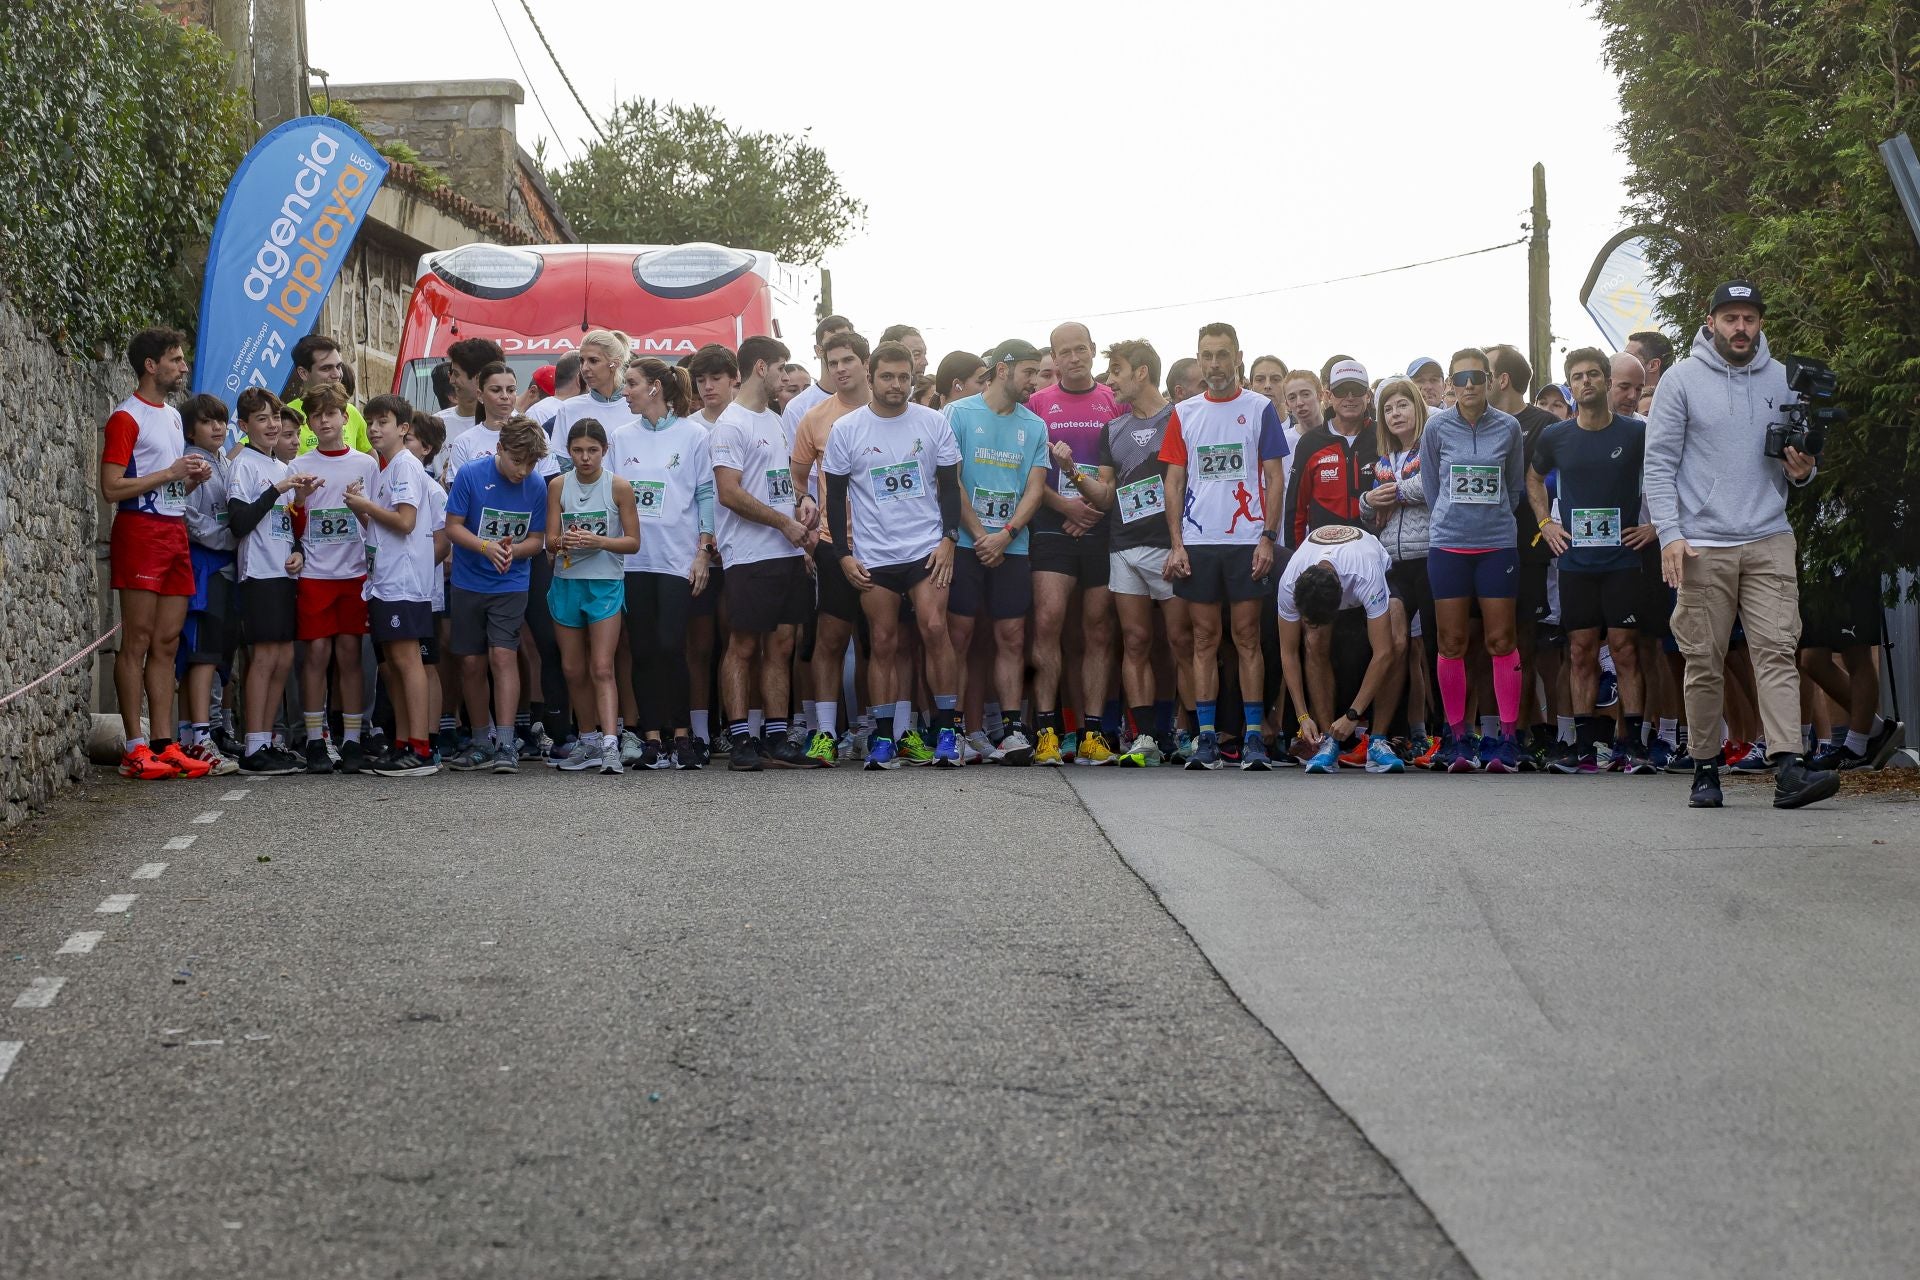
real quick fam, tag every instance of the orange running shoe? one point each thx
(1429, 751)
(140, 763)
(185, 765)
(1357, 758)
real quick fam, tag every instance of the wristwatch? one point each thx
(1353, 713)
(1271, 535)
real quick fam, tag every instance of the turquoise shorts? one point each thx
(577, 602)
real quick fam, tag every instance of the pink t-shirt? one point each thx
(1079, 418)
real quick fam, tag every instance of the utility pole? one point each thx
(1539, 307)
(279, 62)
(233, 24)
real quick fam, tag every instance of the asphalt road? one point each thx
(850, 1025)
(1599, 1033)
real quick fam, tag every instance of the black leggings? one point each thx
(657, 606)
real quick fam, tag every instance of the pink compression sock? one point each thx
(1506, 689)
(1453, 689)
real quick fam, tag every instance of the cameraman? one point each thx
(1719, 505)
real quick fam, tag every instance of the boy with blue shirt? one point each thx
(496, 519)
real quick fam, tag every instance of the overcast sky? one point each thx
(1126, 158)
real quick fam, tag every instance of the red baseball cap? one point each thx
(543, 379)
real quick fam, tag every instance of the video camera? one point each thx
(1806, 422)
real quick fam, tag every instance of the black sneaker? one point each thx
(705, 749)
(318, 761)
(785, 753)
(403, 763)
(1706, 787)
(377, 748)
(268, 763)
(353, 757)
(1795, 785)
(686, 755)
(1882, 745)
(228, 745)
(745, 757)
(653, 755)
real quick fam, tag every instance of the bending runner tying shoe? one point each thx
(1471, 461)
(878, 459)
(1340, 567)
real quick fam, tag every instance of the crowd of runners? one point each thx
(1027, 556)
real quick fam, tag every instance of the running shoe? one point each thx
(1882, 745)
(1143, 753)
(784, 753)
(821, 751)
(1798, 785)
(1603, 756)
(507, 760)
(1253, 753)
(1682, 762)
(1659, 754)
(1206, 751)
(218, 766)
(745, 756)
(1382, 758)
(1229, 749)
(1013, 748)
(404, 763)
(584, 756)
(653, 754)
(476, 756)
(333, 752)
(353, 757)
(1733, 751)
(946, 750)
(1572, 761)
(705, 749)
(912, 748)
(1047, 750)
(227, 745)
(610, 756)
(881, 755)
(1070, 747)
(538, 744)
(1836, 758)
(1426, 751)
(1356, 757)
(1629, 758)
(1705, 793)
(1506, 754)
(851, 748)
(1094, 749)
(265, 763)
(1460, 756)
(1609, 692)
(144, 766)
(184, 765)
(1327, 758)
(564, 748)
(1533, 752)
(1183, 744)
(633, 752)
(978, 747)
(686, 755)
(1754, 761)
(318, 761)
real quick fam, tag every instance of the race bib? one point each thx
(994, 507)
(1479, 486)
(897, 481)
(594, 522)
(220, 515)
(332, 526)
(1141, 499)
(650, 499)
(1068, 489)
(496, 524)
(1594, 527)
(279, 525)
(172, 498)
(1220, 463)
(780, 487)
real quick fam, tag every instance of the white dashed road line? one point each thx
(235, 795)
(149, 871)
(178, 843)
(39, 993)
(208, 818)
(9, 1050)
(81, 943)
(115, 903)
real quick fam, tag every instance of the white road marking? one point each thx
(148, 871)
(208, 818)
(9, 1050)
(115, 903)
(235, 795)
(80, 943)
(178, 843)
(39, 993)
(195, 1044)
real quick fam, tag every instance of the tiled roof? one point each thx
(471, 212)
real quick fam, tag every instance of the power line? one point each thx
(551, 130)
(564, 77)
(1293, 288)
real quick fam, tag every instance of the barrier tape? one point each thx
(28, 688)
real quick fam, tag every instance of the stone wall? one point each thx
(464, 128)
(52, 542)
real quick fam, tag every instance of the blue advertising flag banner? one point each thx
(289, 217)
(1620, 292)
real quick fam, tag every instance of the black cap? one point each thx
(1738, 291)
(1012, 351)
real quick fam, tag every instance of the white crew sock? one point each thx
(700, 725)
(1670, 731)
(829, 714)
(1857, 742)
(902, 717)
(991, 718)
(1566, 730)
(755, 719)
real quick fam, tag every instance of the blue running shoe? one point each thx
(1327, 758)
(1505, 756)
(946, 750)
(881, 755)
(1486, 746)
(1382, 758)
(1459, 756)
(1253, 754)
(1608, 694)
(1755, 761)
(1206, 751)
(1659, 754)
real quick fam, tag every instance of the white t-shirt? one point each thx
(402, 563)
(481, 442)
(436, 521)
(1222, 444)
(892, 487)
(335, 544)
(1357, 557)
(666, 469)
(797, 407)
(263, 552)
(755, 445)
(610, 414)
(457, 425)
(542, 411)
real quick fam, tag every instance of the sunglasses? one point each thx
(1469, 377)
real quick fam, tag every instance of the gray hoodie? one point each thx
(1706, 478)
(1448, 442)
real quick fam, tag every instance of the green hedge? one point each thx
(120, 136)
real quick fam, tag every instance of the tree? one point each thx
(667, 173)
(1751, 128)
